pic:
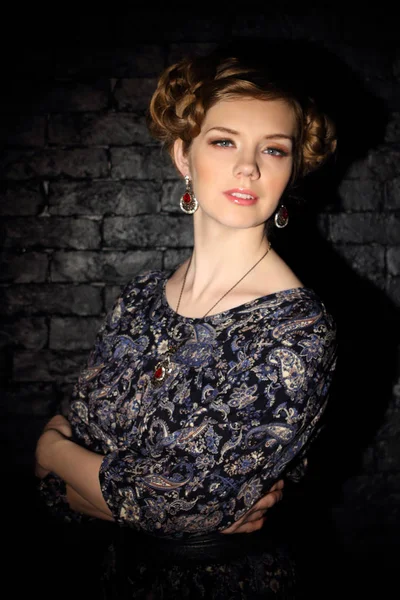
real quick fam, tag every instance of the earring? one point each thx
(281, 217)
(188, 202)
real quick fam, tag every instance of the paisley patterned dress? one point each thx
(237, 411)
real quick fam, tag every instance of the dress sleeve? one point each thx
(243, 438)
(52, 490)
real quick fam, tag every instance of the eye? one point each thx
(276, 152)
(222, 143)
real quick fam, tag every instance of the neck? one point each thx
(221, 256)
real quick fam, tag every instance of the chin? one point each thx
(235, 223)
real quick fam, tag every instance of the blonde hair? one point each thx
(187, 89)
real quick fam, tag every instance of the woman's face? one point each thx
(242, 160)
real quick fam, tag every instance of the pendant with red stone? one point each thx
(159, 372)
(162, 369)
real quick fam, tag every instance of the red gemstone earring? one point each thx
(188, 202)
(281, 217)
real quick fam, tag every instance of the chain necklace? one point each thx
(163, 367)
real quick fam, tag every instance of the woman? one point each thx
(206, 385)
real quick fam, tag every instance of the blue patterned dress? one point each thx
(243, 400)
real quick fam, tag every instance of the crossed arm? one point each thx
(79, 468)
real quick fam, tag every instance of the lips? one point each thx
(241, 196)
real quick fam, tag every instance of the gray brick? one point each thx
(362, 499)
(51, 299)
(385, 164)
(248, 25)
(134, 94)
(393, 261)
(322, 225)
(5, 362)
(359, 169)
(171, 195)
(30, 399)
(29, 333)
(30, 267)
(112, 292)
(393, 481)
(393, 290)
(65, 396)
(156, 231)
(363, 228)
(23, 130)
(50, 232)
(141, 163)
(104, 198)
(388, 453)
(361, 195)
(65, 129)
(69, 96)
(396, 392)
(139, 60)
(18, 200)
(362, 487)
(390, 426)
(111, 267)
(387, 90)
(205, 27)
(80, 162)
(73, 333)
(366, 260)
(173, 258)
(48, 365)
(364, 59)
(120, 129)
(368, 460)
(179, 51)
(392, 195)
(392, 133)
(396, 63)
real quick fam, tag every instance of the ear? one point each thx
(181, 158)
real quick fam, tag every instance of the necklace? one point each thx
(163, 367)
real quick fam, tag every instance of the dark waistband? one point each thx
(211, 547)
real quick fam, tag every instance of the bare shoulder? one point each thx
(278, 276)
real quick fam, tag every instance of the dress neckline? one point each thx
(251, 303)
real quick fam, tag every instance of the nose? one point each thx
(247, 167)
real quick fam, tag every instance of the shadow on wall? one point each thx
(368, 321)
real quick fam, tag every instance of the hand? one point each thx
(59, 424)
(254, 519)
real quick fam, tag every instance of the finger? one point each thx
(59, 419)
(265, 502)
(246, 527)
(60, 423)
(278, 485)
(251, 526)
(268, 501)
(257, 516)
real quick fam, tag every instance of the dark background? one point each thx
(87, 200)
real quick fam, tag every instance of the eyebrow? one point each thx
(266, 137)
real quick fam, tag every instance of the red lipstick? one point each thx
(241, 196)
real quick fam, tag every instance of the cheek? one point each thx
(282, 175)
(203, 171)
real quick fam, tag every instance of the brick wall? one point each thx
(88, 200)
